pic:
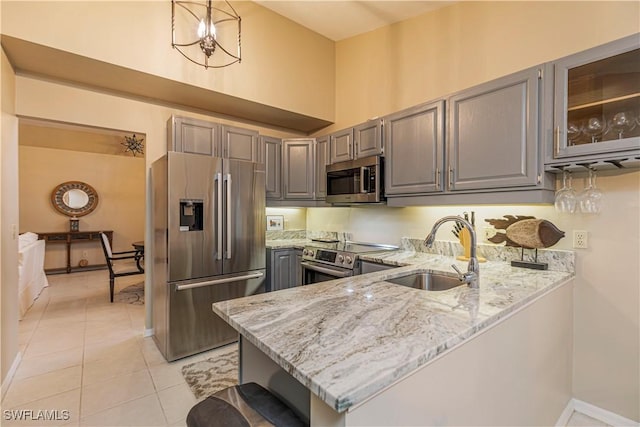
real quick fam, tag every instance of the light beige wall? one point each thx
(8, 223)
(281, 59)
(294, 218)
(458, 46)
(118, 180)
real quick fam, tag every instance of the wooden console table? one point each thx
(70, 237)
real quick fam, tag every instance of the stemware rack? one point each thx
(621, 163)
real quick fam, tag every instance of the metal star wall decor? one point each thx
(133, 144)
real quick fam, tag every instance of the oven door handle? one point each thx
(325, 270)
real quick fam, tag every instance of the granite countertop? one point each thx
(287, 243)
(349, 338)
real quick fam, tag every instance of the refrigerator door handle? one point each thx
(254, 275)
(229, 216)
(218, 180)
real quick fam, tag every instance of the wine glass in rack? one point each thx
(565, 198)
(591, 197)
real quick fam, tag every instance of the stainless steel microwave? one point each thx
(356, 181)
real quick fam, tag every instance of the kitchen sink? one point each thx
(427, 281)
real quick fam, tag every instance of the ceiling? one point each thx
(341, 19)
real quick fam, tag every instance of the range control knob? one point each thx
(349, 260)
(310, 252)
(340, 258)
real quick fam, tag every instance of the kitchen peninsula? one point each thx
(363, 351)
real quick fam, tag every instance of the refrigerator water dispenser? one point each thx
(191, 215)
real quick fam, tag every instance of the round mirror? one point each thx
(74, 198)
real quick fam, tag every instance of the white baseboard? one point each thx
(593, 411)
(565, 415)
(6, 382)
(148, 332)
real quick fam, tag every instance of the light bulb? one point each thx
(202, 29)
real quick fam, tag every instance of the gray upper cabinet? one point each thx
(493, 134)
(341, 146)
(239, 143)
(322, 160)
(414, 152)
(368, 139)
(359, 141)
(188, 135)
(273, 166)
(597, 104)
(298, 168)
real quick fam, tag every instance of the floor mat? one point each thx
(217, 372)
(133, 294)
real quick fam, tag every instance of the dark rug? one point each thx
(217, 372)
(133, 294)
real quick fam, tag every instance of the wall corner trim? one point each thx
(6, 382)
(593, 411)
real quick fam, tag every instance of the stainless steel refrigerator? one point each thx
(209, 246)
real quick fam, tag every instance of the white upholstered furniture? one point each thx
(31, 277)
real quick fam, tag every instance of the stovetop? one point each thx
(342, 254)
(348, 246)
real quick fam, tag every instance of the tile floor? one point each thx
(84, 355)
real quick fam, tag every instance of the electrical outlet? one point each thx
(85, 254)
(580, 240)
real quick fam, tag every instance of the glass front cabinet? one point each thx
(597, 106)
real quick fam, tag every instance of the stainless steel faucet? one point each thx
(472, 276)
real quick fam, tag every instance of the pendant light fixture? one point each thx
(199, 26)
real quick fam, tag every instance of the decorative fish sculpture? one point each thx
(525, 231)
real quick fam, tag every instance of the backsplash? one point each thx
(306, 234)
(286, 234)
(558, 260)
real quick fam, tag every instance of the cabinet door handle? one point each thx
(450, 177)
(437, 184)
(556, 141)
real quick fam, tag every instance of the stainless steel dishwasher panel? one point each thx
(193, 326)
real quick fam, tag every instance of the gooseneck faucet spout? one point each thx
(472, 276)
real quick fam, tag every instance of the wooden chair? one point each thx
(114, 262)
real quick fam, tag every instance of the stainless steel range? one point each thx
(323, 260)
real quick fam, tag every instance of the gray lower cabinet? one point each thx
(494, 134)
(283, 268)
(188, 135)
(239, 143)
(273, 166)
(322, 160)
(341, 146)
(298, 168)
(367, 138)
(414, 141)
